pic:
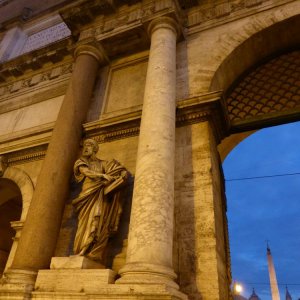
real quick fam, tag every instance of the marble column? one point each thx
(150, 242)
(38, 239)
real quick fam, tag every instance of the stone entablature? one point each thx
(51, 82)
(31, 144)
(36, 60)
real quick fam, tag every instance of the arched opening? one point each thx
(262, 175)
(10, 210)
(266, 94)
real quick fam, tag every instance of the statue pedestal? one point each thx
(74, 262)
(74, 274)
(70, 278)
(73, 280)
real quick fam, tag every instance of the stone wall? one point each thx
(200, 211)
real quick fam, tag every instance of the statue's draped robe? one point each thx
(98, 206)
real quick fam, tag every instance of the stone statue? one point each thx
(99, 204)
(3, 164)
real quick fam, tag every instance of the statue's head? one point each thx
(90, 147)
(3, 164)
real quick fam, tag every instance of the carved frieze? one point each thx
(78, 17)
(25, 155)
(122, 31)
(35, 60)
(27, 83)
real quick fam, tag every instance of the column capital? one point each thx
(93, 49)
(164, 22)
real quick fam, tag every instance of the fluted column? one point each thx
(38, 239)
(150, 243)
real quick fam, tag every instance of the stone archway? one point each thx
(16, 190)
(25, 185)
(10, 211)
(266, 95)
(241, 54)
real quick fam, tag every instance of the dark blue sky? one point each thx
(265, 209)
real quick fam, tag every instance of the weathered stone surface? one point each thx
(220, 41)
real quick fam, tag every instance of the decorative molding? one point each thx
(35, 60)
(114, 128)
(22, 157)
(57, 75)
(122, 31)
(31, 145)
(207, 107)
(106, 16)
(217, 13)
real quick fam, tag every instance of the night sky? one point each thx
(265, 209)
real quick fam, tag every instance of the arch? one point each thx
(17, 182)
(255, 42)
(10, 212)
(23, 181)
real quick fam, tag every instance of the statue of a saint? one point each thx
(99, 204)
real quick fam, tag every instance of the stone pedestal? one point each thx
(74, 262)
(73, 280)
(115, 292)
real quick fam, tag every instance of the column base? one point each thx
(117, 292)
(17, 284)
(145, 274)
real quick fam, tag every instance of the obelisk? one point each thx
(272, 275)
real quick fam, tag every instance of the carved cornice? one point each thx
(123, 31)
(35, 60)
(18, 144)
(58, 75)
(108, 17)
(78, 16)
(207, 107)
(115, 128)
(26, 155)
(32, 145)
(216, 13)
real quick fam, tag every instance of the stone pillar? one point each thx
(150, 242)
(17, 226)
(38, 239)
(207, 220)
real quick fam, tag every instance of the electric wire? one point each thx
(262, 177)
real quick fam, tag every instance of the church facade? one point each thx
(166, 88)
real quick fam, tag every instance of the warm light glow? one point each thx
(238, 288)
